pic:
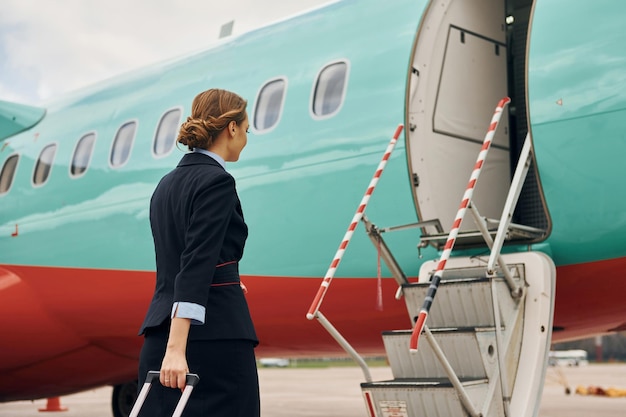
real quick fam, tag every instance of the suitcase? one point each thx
(192, 381)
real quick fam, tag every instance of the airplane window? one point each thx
(82, 155)
(44, 164)
(167, 132)
(8, 171)
(269, 104)
(330, 89)
(123, 144)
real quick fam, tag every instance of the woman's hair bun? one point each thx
(211, 112)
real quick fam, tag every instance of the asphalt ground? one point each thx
(335, 391)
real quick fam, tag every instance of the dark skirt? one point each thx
(228, 386)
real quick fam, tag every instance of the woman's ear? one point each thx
(231, 127)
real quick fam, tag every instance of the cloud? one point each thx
(55, 46)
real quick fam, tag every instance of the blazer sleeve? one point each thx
(211, 209)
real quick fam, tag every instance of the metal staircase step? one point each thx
(471, 352)
(461, 302)
(430, 397)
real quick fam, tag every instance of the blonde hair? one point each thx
(211, 112)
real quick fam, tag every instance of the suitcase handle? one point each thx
(191, 381)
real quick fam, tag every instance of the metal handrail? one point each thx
(314, 310)
(467, 197)
(317, 301)
(517, 183)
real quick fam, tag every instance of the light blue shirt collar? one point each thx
(213, 155)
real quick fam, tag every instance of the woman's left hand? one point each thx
(174, 367)
(174, 370)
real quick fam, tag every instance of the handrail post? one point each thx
(504, 381)
(344, 344)
(454, 380)
(523, 164)
(467, 197)
(513, 286)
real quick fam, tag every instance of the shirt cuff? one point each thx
(192, 311)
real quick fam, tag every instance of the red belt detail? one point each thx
(225, 263)
(222, 284)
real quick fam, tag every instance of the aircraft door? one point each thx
(459, 76)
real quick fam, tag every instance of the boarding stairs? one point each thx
(485, 349)
(484, 343)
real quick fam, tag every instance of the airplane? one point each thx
(326, 91)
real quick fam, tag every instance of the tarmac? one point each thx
(335, 391)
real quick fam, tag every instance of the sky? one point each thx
(51, 47)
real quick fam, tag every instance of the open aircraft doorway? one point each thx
(467, 56)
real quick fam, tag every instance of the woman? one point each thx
(199, 320)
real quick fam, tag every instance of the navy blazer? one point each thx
(199, 235)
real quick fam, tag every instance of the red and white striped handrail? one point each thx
(317, 301)
(467, 197)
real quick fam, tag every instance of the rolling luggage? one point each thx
(192, 381)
